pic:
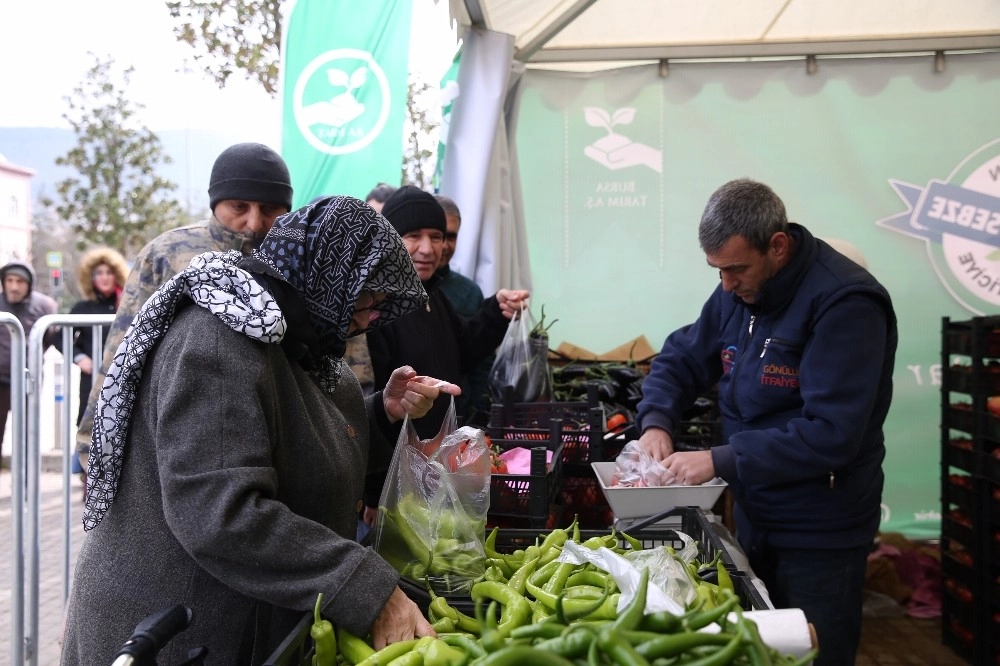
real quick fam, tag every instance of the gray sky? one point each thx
(44, 46)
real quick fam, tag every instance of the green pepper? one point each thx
(353, 649)
(572, 644)
(620, 650)
(439, 653)
(516, 609)
(671, 645)
(388, 653)
(464, 642)
(720, 657)
(324, 638)
(408, 659)
(522, 654)
(544, 630)
(725, 580)
(630, 618)
(710, 615)
(520, 577)
(565, 617)
(444, 624)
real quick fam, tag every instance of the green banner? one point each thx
(449, 92)
(884, 154)
(345, 72)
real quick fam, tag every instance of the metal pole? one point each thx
(17, 482)
(63, 437)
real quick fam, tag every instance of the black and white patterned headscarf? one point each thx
(329, 252)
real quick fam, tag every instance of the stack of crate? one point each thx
(970, 488)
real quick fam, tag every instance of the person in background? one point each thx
(465, 297)
(232, 441)
(22, 300)
(248, 189)
(377, 197)
(801, 341)
(434, 340)
(101, 275)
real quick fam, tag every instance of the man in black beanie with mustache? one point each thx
(249, 188)
(434, 341)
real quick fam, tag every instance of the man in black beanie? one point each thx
(434, 341)
(249, 188)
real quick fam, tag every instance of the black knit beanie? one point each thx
(250, 172)
(410, 208)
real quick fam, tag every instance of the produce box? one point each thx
(693, 522)
(297, 648)
(642, 502)
(528, 497)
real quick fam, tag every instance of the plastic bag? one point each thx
(431, 524)
(521, 364)
(635, 468)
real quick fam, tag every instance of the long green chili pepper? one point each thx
(354, 650)
(725, 580)
(574, 642)
(523, 654)
(707, 617)
(408, 659)
(324, 638)
(671, 645)
(464, 642)
(388, 653)
(593, 654)
(440, 653)
(591, 577)
(516, 609)
(517, 581)
(632, 541)
(543, 630)
(620, 650)
(565, 617)
(722, 656)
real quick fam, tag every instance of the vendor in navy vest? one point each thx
(434, 341)
(801, 342)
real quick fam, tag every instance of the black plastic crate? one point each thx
(972, 380)
(581, 497)
(297, 648)
(528, 497)
(583, 428)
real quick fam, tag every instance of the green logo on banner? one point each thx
(959, 219)
(341, 101)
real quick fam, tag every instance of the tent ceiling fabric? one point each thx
(549, 31)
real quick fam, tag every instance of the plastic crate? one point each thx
(528, 497)
(693, 522)
(297, 647)
(581, 497)
(582, 443)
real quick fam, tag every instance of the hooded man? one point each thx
(21, 300)
(249, 188)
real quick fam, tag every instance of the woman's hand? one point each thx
(407, 393)
(512, 301)
(400, 620)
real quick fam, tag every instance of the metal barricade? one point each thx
(25, 473)
(17, 384)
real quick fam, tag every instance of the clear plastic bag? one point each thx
(521, 364)
(432, 514)
(634, 468)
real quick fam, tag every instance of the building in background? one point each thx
(15, 211)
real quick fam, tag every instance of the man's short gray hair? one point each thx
(741, 208)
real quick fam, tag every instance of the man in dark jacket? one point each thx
(801, 341)
(434, 341)
(21, 300)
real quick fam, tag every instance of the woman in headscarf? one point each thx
(231, 442)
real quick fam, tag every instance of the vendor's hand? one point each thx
(657, 442)
(512, 301)
(407, 393)
(86, 365)
(691, 468)
(369, 515)
(400, 620)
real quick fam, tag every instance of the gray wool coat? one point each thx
(237, 498)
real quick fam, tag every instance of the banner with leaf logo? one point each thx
(344, 73)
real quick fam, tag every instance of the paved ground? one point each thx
(50, 563)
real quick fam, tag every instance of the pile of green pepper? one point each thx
(441, 550)
(532, 608)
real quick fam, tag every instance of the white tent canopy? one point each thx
(576, 31)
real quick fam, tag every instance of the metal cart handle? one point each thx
(152, 634)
